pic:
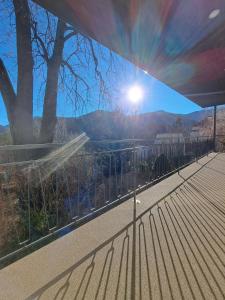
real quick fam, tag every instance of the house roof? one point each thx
(179, 42)
(169, 135)
(168, 138)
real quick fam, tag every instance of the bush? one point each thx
(161, 166)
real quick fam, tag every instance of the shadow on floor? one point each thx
(180, 251)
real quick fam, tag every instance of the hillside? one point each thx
(100, 125)
(205, 127)
(115, 125)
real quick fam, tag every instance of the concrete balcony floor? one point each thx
(180, 247)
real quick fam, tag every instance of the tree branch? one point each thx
(69, 35)
(8, 95)
(39, 40)
(65, 63)
(98, 73)
(51, 90)
(6, 88)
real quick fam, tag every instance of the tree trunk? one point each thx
(23, 110)
(9, 96)
(19, 105)
(49, 118)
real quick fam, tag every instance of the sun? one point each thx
(135, 93)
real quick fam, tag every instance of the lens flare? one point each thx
(215, 13)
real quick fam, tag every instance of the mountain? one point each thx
(101, 124)
(205, 127)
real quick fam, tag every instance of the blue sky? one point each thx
(157, 96)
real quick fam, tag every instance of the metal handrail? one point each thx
(86, 186)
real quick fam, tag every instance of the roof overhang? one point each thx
(180, 42)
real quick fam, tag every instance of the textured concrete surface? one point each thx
(180, 247)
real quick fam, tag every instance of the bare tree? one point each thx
(60, 56)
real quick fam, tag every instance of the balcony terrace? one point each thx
(136, 223)
(179, 246)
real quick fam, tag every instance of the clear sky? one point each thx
(157, 96)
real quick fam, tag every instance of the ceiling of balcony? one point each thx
(180, 42)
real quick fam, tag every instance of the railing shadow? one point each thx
(96, 268)
(179, 253)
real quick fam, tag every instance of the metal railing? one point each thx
(220, 143)
(178, 248)
(35, 207)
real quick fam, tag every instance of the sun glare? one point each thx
(135, 93)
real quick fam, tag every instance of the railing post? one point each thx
(133, 271)
(214, 128)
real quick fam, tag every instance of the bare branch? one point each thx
(40, 42)
(49, 118)
(98, 73)
(71, 55)
(6, 88)
(69, 35)
(8, 95)
(65, 63)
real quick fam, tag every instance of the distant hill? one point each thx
(100, 125)
(205, 126)
(115, 125)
